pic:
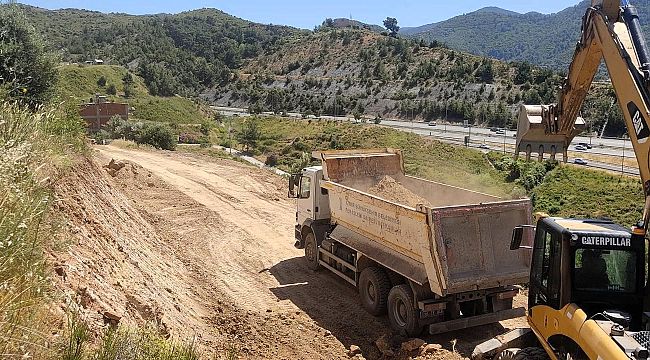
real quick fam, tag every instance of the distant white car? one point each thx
(432, 123)
(581, 148)
(484, 146)
(580, 161)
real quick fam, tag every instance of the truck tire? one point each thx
(531, 353)
(311, 251)
(403, 316)
(507, 354)
(374, 287)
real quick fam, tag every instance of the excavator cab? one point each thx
(585, 270)
(595, 264)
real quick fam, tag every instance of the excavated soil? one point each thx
(391, 190)
(203, 248)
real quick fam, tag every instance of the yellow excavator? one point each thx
(588, 290)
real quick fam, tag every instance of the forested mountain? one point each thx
(175, 54)
(353, 71)
(545, 40)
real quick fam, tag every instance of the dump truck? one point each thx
(430, 255)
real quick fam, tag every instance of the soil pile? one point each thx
(391, 190)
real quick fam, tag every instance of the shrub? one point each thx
(189, 138)
(271, 160)
(27, 72)
(111, 90)
(157, 135)
(101, 82)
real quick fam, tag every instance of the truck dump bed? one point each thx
(454, 239)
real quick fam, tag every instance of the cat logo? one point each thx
(606, 241)
(640, 125)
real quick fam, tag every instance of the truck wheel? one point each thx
(531, 353)
(507, 354)
(311, 251)
(374, 287)
(402, 314)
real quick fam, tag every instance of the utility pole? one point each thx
(623, 158)
(504, 140)
(446, 121)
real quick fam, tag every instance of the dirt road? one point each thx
(232, 227)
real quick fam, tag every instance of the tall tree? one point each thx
(391, 24)
(249, 134)
(27, 71)
(128, 84)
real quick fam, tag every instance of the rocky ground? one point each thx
(203, 248)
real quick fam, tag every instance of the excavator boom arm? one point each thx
(610, 32)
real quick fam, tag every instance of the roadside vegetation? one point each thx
(41, 138)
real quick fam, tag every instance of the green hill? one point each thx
(545, 40)
(349, 71)
(174, 54)
(80, 83)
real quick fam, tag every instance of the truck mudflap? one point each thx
(478, 320)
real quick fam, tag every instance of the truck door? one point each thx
(545, 270)
(306, 197)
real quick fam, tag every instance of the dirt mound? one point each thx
(391, 190)
(130, 174)
(115, 267)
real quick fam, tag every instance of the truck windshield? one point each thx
(605, 270)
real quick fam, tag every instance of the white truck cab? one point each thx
(312, 201)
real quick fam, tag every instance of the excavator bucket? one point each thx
(537, 132)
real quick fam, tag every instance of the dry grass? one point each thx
(30, 144)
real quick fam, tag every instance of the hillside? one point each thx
(544, 40)
(232, 62)
(353, 71)
(80, 83)
(174, 54)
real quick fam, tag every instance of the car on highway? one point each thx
(588, 146)
(501, 132)
(432, 123)
(581, 148)
(580, 161)
(484, 146)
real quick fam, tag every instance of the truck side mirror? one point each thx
(517, 237)
(293, 182)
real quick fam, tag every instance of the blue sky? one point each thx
(306, 14)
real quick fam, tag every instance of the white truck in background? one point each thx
(445, 265)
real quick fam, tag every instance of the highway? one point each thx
(483, 137)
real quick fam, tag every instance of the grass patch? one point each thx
(122, 343)
(569, 191)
